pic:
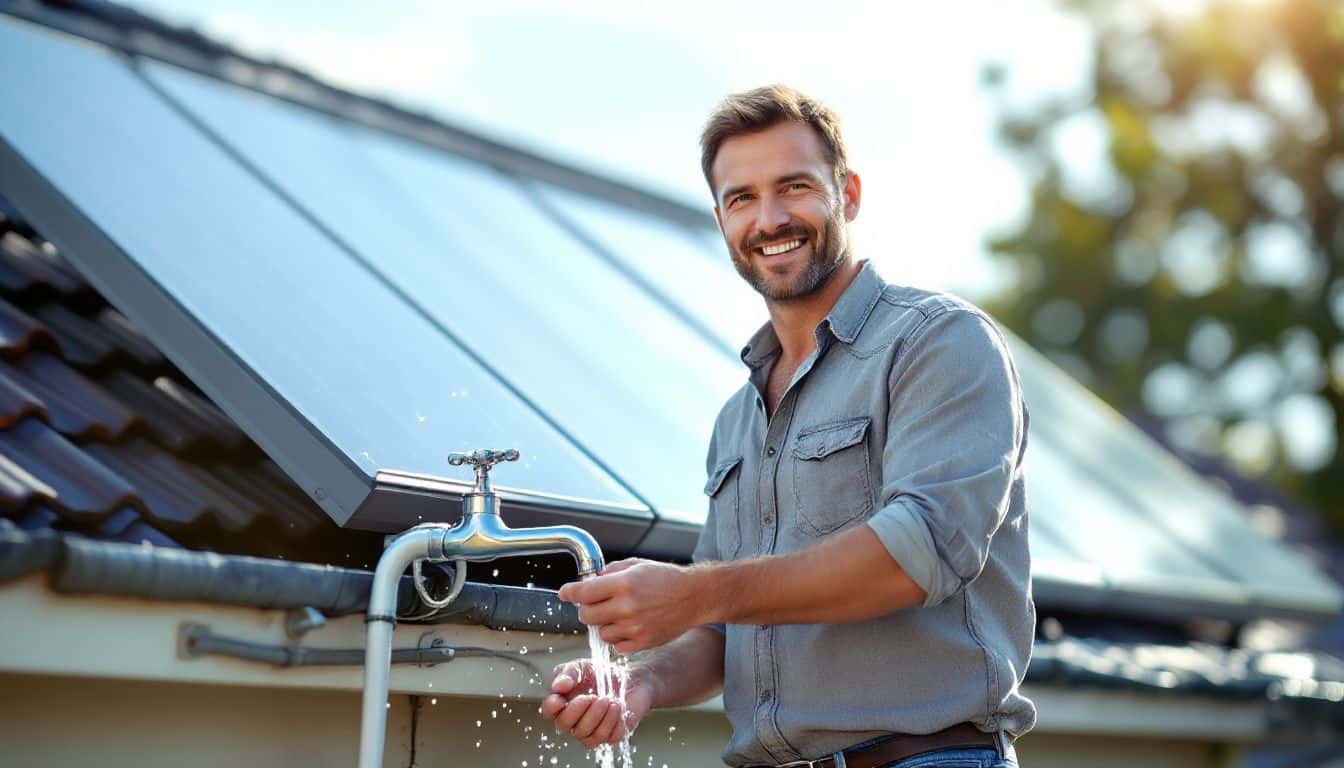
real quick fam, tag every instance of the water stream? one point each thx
(611, 674)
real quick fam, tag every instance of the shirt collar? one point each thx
(845, 320)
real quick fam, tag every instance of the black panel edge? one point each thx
(317, 466)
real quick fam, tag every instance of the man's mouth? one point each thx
(778, 248)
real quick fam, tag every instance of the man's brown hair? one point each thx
(765, 107)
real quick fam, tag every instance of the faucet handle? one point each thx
(482, 459)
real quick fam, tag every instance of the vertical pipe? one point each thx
(412, 545)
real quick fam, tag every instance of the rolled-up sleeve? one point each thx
(954, 444)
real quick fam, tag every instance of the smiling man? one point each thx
(860, 592)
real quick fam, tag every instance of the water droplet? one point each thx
(433, 701)
(522, 651)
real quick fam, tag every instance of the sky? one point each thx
(623, 89)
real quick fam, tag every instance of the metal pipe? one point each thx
(411, 545)
(196, 640)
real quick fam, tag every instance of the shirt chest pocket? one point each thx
(723, 500)
(831, 482)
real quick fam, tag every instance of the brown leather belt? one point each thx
(899, 746)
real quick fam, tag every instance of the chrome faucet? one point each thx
(479, 536)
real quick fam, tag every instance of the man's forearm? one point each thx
(686, 671)
(846, 577)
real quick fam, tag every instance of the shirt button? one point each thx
(767, 694)
(770, 451)
(768, 518)
(763, 627)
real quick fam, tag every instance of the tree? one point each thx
(1192, 271)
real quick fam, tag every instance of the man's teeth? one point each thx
(771, 250)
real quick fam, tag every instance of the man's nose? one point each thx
(771, 214)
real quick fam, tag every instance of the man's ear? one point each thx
(852, 192)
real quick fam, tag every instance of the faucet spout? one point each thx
(485, 536)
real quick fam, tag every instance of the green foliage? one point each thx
(1194, 271)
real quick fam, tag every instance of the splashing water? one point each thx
(612, 674)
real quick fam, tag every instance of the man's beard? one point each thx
(821, 266)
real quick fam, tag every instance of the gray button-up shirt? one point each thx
(907, 418)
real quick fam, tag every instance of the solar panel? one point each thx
(1149, 524)
(606, 361)
(318, 357)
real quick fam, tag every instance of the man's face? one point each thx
(782, 217)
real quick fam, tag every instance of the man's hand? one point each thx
(640, 604)
(576, 709)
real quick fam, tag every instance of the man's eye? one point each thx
(741, 198)
(797, 185)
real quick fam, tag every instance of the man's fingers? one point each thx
(614, 633)
(597, 711)
(573, 712)
(621, 565)
(572, 676)
(552, 705)
(627, 647)
(605, 733)
(605, 612)
(593, 590)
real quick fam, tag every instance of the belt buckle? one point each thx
(837, 761)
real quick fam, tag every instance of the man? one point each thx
(861, 587)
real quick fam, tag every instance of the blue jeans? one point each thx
(958, 758)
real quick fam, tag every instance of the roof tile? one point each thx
(212, 421)
(178, 420)
(293, 513)
(25, 266)
(19, 332)
(17, 401)
(129, 338)
(84, 342)
(37, 465)
(69, 402)
(171, 497)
